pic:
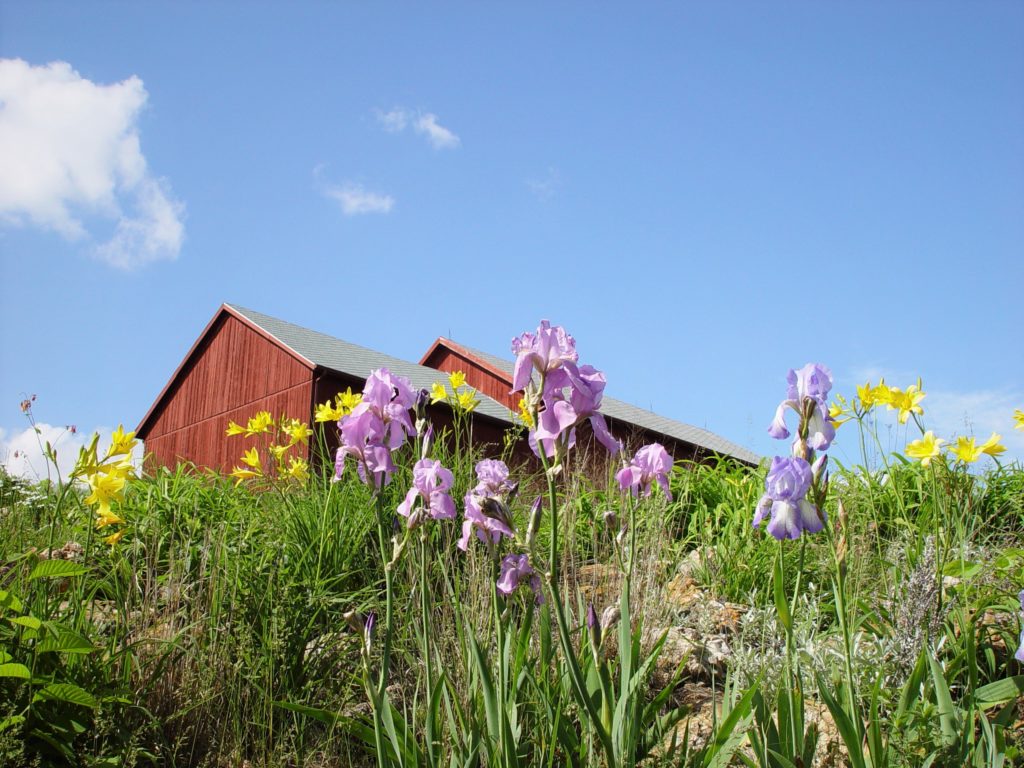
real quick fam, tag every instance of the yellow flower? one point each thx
(992, 446)
(106, 487)
(298, 469)
(882, 394)
(467, 400)
(925, 449)
(457, 379)
(241, 474)
(438, 393)
(252, 458)
(347, 401)
(906, 402)
(838, 409)
(966, 450)
(113, 538)
(866, 395)
(297, 431)
(327, 412)
(278, 450)
(234, 429)
(1018, 416)
(103, 519)
(524, 413)
(121, 443)
(258, 424)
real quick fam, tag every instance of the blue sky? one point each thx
(704, 194)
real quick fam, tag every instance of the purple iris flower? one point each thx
(571, 396)
(542, 351)
(810, 384)
(375, 427)
(651, 463)
(430, 482)
(486, 512)
(786, 487)
(1019, 655)
(516, 569)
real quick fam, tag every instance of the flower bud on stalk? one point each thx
(594, 626)
(611, 519)
(536, 512)
(841, 545)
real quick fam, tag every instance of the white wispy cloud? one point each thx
(425, 124)
(21, 453)
(70, 152)
(355, 200)
(545, 188)
(978, 413)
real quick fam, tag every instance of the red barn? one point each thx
(245, 361)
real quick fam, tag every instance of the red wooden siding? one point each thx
(233, 373)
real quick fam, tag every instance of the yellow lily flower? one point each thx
(297, 431)
(327, 412)
(925, 449)
(120, 442)
(966, 450)
(457, 379)
(252, 458)
(298, 469)
(279, 450)
(258, 424)
(882, 394)
(866, 396)
(992, 446)
(234, 429)
(837, 410)
(524, 413)
(1018, 416)
(105, 489)
(467, 400)
(113, 538)
(347, 401)
(241, 474)
(438, 393)
(906, 402)
(107, 518)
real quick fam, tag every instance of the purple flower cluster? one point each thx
(570, 394)
(786, 488)
(807, 394)
(430, 485)
(791, 479)
(516, 570)
(651, 463)
(376, 427)
(486, 508)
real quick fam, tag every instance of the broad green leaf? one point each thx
(65, 641)
(56, 569)
(779, 589)
(15, 670)
(944, 700)
(846, 727)
(26, 621)
(11, 722)
(999, 692)
(10, 601)
(323, 715)
(67, 692)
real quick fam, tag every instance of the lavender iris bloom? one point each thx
(543, 351)
(515, 569)
(811, 384)
(486, 512)
(785, 489)
(571, 396)
(651, 463)
(1019, 655)
(375, 427)
(430, 482)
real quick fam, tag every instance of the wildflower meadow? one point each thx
(418, 598)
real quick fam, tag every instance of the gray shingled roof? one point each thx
(344, 357)
(616, 409)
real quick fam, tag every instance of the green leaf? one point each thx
(11, 722)
(947, 712)
(999, 692)
(26, 621)
(779, 588)
(56, 569)
(65, 641)
(10, 601)
(15, 670)
(66, 692)
(323, 715)
(846, 727)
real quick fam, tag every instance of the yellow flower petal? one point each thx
(456, 379)
(925, 449)
(992, 446)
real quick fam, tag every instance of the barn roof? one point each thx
(334, 354)
(617, 409)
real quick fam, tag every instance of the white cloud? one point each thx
(544, 189)
(355, 200)
(21, 454)
(438, 136)
(70, 151)
(426, 124)
(978, 413)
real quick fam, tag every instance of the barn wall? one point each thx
(233, 374)
(477, 376)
